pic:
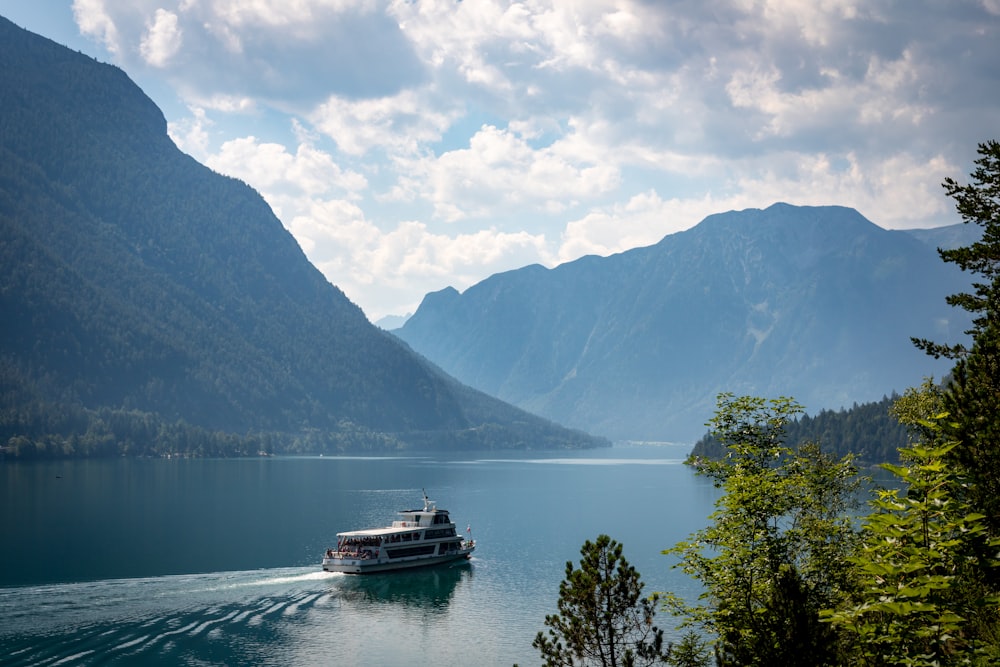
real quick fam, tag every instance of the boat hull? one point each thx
(368, 566)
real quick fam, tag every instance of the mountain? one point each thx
(817, 303)
(136, 280)
(948, 237)
(390, 322)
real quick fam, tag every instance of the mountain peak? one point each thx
(787, 217)
(816, 302)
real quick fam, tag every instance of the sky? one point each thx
(411, 145)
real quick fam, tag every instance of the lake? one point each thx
(216, 562)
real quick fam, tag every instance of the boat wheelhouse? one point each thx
(417, 538)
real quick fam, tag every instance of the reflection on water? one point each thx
(430, 588)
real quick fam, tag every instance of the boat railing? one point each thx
(360, 554)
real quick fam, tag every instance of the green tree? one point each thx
(916, 407)
(923, 599)
(865, 430)
(776, 550)
(602, 619)
(972, 397)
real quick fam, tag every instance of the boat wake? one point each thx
(164, 620)
(257, 578)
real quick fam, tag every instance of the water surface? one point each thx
(216, 562)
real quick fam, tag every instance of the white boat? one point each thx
(417, 538)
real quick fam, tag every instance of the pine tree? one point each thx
(972, 397)
(603, 618)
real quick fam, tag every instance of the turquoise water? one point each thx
(216, 562)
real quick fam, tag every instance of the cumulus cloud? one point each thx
(434, 142)
(400, 123)
(880, 97)
(290, 53)
(191, 134)
(641, 221)
(898, 191)
(162, 39)
(500, 171)
(390, 271)
(94, 21)
(301, 15)
(308, 172)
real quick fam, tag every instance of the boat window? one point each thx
(439, 532)
(407, 537)
(419, 550)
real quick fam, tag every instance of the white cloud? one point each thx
(399, 123)
(435, 142)
(898, 191)
(389, 272)
(94, 21)
(501, 172)
(880, 97)
(641, 221)
(162, 39)
(889, 87)
(191, 134)
(816, 21)
(271, 168)
(282, 13)
(452, 35)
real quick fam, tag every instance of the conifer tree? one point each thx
(972, 397)
(603, 619)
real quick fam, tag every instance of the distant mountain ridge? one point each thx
(134, 278)
(817, 303)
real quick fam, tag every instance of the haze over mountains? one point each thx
(817, 303)
(134, 278)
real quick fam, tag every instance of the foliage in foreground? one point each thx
(787, 579)
(602, 619)
(972, 397)
(777, 548)
(923, 600)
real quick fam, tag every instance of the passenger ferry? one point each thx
(417, 538)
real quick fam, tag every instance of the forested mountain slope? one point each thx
(817, 303)
(868, 431)
(136, 280)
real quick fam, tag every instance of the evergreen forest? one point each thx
(868, 431)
